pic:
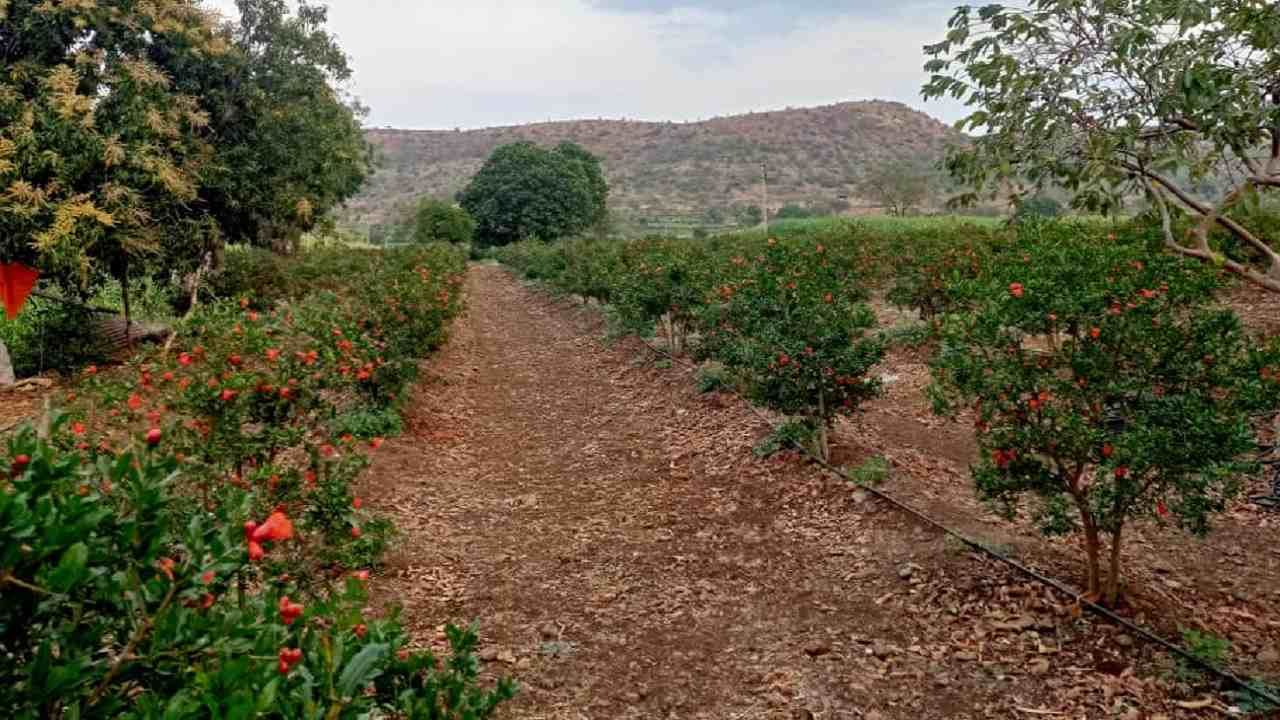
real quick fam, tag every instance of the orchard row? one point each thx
(183, 540)
(1103, 380)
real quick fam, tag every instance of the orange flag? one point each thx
(16, 281)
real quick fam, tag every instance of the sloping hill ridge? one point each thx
(664, 169)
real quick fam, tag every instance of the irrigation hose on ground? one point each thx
(1044, 580)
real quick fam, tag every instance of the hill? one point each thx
(703, 171)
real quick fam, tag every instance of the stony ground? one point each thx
(627, 556)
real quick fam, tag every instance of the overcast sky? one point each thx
(478, 63)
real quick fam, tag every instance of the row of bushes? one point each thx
(1103, 381)
(785, 316)
(183, 540)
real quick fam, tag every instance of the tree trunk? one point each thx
(1092, 548)
(1113, 578)
(6, 366)
(124, 299)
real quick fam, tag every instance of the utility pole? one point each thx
(764, 175)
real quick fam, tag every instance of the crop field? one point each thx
(307, 415)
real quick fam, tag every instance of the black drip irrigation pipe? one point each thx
(1044, 580)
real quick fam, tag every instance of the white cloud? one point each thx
(492, 62)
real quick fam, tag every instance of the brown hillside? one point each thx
(664, 169)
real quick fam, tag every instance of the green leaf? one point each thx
(71, 568)
(267, 697)
(362, 668)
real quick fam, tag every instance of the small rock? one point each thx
(632, 698)
(548, 631)
(873, 715)
(883, 650)
(1124, 641)
(507, 657)
(1270, 655)
(861, 496)
(905, 572)
(965, 656)
(1039, 666)
(488, 654)
(524, 664)
(1020, 623)
(817, 647)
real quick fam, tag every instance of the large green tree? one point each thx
(1115, 98)
(525, 191)
(101, 154)
(288, 144)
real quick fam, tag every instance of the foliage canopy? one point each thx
(524, 191)
(1174, 101)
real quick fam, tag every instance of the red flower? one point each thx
(1016, 289)
(77, 428)
(184, 359)
(361, 575)
(1161, 510)
(288, 658)
(235, 361)
(135, 401)
(1002, 457)
(376, 443)
(153, 436)
(356, 503)
(20, 463)
(328, 450)
(207, 577)
(91, 370)
(355, 532)
(360, 630)
(228, 395)
(1122, 472)
(1107, 450)
(289, 611)
(1095, 333)
(277, 527)
(256, 552)
(166, 567)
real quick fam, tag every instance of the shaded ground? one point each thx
(627, 556)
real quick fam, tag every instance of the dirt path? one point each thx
(627, 556)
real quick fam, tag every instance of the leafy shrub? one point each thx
(872, 471)
(253, 273)
(149, 540)
(367, 422)
(124, 599)
(1105, 383)
(660, 281)
(793, 326)
(49, 335)
(438, 221)
(1206, 647)
(786, 436)
(712, 377)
